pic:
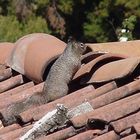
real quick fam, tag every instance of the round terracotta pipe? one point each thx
(5, 51)
(33, 53)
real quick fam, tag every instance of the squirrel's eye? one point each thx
(82, 45)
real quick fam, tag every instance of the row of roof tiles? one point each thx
(109, 82)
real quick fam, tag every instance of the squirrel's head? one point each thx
(78, 47)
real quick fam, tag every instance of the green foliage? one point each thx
(128, 26)
(97, 27)
(94, 30)
(40, 6)
(88, 20)
(41, 3)
(129, 23)
(66, 6)
(109, 16)
(11, 29)
(36, 24)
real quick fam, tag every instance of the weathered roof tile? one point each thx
(15, 133)
(5, 74)
(96, 63)
(19, 97)
(87, 135)
(70, 101)
(137, 128)
(108, 136)
(60, 135)
(124, 123)
(9, 128)
(115, 105)
(110, 112)
(5, 51)
(11, 83)
(129, 48)
(112, 71)
(130, 137)
(116, 94)
(16, 90)
(33, 53)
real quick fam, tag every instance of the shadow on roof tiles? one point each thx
(87, 70)
(115, 70)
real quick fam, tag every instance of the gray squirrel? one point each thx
(56, 83)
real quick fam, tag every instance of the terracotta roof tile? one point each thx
(15, 133)
(62, 134)
(110, 112)
(108, 82)
(137, 127)
(29, 48)
(26, 116)
(103, 74)
(126, 132)
(5, 74)
(16, 90)
(116, 94)
(87, 135)
(108, 136)
(124, 48)
(11, 83)
(130, 137)
(5, 51)
(70, 101)
(127, 122)
(9, 128)
(95, 63)
(90, 56)
(17, 97)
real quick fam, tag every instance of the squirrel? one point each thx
(56, 83)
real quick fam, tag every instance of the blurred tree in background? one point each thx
(86, 20)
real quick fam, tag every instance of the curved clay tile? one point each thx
(90, 56)
(115, 70)
(33, 53)
(129, 48)
(5, 51)
(86, 71)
